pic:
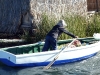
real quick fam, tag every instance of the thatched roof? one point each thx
(11, 15)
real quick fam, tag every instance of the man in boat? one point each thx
(51, 37)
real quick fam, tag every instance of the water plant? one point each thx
(77, 24)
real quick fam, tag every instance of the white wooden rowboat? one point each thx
(31, 54)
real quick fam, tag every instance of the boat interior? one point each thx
(36, 47)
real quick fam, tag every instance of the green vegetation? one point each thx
(45, 26)
(26, 36)
(78, 25)
(93, 26)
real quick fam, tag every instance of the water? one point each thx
(90, 66)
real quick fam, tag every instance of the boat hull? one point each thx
(58, 62)
(68, 55)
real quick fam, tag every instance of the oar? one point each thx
(49, 65)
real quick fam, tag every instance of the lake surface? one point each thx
(89, 66)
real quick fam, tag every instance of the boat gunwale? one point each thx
(53, 51)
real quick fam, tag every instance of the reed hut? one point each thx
(15, 16)
(19, 15)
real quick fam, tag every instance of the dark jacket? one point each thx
(58, 30)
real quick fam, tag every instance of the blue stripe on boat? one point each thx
(9, 63)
